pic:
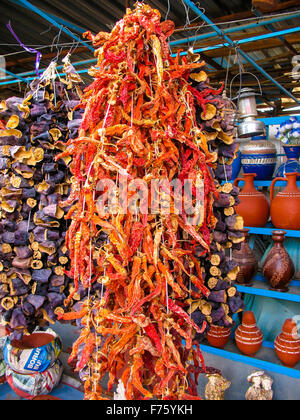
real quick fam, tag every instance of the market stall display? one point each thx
(123, 220)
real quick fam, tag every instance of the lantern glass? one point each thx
(247, 106)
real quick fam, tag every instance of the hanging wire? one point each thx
(187, 9)
(168, 11)
(67, 44)
(56, 44)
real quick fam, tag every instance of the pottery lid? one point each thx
(249, 318)
(290, 327)
(259, 146)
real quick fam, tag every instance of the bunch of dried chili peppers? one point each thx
(139, 124)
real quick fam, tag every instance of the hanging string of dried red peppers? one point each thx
(139, 124)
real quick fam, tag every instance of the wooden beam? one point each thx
(21, 61)
(243, 15)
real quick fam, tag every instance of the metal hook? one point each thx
(241, 75)
(57, 39)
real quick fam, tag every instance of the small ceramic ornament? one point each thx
(119, 395)
(216, 387)
(261, 388)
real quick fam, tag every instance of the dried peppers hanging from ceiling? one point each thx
(140, 125)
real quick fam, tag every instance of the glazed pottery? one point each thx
(248, 336)
(218, 336)
(259, 156)
(292, 245)
(292, 164)
(236, 165)
(247, 262)
(278, 267)
(285, 207)
(287, 344)
(254, 206)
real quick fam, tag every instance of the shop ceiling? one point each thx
(272, 42)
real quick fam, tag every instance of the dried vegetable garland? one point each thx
(33, 255)
(215, 114)
(139, 123)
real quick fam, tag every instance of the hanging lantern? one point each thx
(249, 125)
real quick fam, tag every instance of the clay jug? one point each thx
(278, 267)
(248, 336)
(285, 207)
(218, 336)
(287, 344)
(254, 206)
(247, 262)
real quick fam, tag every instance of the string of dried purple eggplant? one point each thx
(215, 115)
(33, 256)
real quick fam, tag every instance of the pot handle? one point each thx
(237, 180)
(273, 186)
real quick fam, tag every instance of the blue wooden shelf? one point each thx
(261, 278)
(269, 229)
(265, 183)
(260, 288)
(265, 359)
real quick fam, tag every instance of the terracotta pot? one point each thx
(218, 336)
(248, 336)
(278, 267)
(285, 207)
(287, 344)
(247, 262)
(254, 206)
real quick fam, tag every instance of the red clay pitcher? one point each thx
(285, 207)
(254, 206)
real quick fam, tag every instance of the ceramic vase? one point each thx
(287, 344)
(259, 156)
(218, 336)
(254, 206)
(278, 267)
(247, 262)
(292, 245)
(248, 336)
(292, 164)
(285, 207)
